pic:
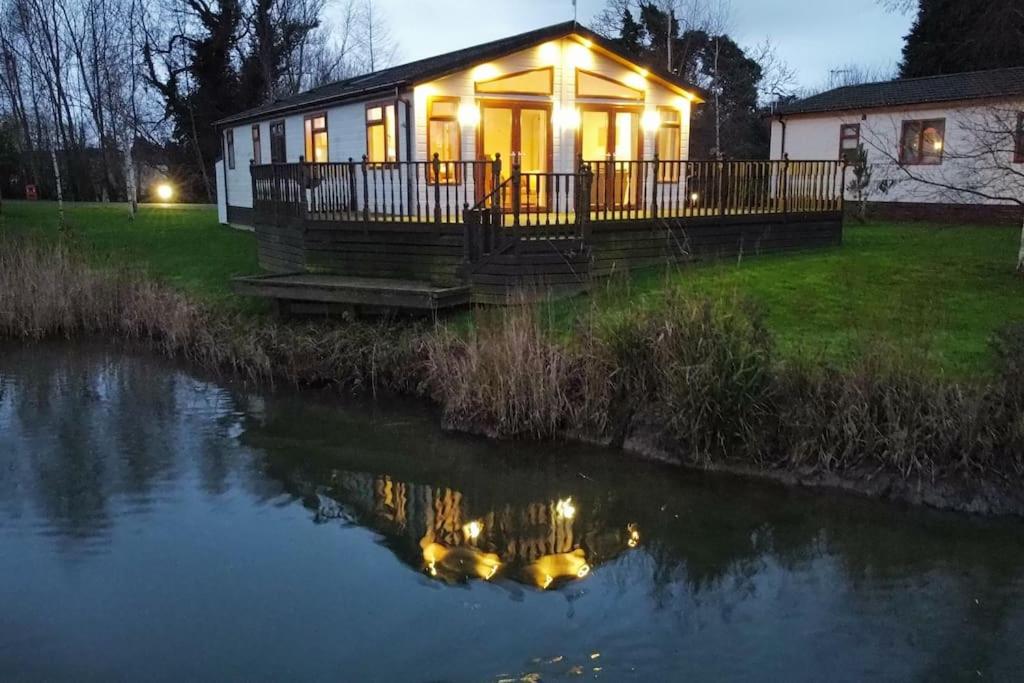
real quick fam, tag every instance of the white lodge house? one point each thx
(943, 147)
(542, 100)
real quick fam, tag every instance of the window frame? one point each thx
(456, 179)
(673, 177)
(229, 147)
(843, 137)
(309, 134)
(257, 144)
(1018, 140)
(283, 158)
(383, 105)
(925, 124)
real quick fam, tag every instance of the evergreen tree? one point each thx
(952, 36)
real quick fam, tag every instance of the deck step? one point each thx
(353, 291)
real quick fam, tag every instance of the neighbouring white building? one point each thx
(941, 148)
(542, 99)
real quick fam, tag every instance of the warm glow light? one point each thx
(587, 43)
(473, 530)
(565, 509)
(938, 145)
(651, 120)
(566, 119)
(165, 192)
(545, 570)
(486, 72)
(469, 114)
(635, 81)
(634, 536)
(694, 197)
(549, 54)
(580, 57)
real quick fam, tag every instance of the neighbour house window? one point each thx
(922, 142)
(444, 138)
(381, 134)
(229, 143)
(316, 138)
(669, 145)
(278, 151)
(849, 142)
(1018, 140)
(257, 152)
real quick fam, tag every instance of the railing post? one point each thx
(366, 191)
(252, 179)
(721, 189)
(497, 205)
(842, 192)
(654, 188)
(516, 185)
(470, 220)
(585, 180)
(785, 184)
(436, 168)
(352, 187)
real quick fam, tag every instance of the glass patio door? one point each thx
(609, 140)
(519, 132)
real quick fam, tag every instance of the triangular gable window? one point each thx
(533, 82)
(589, 84)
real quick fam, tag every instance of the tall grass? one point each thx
(702, 382)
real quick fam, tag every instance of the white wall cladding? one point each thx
(346, 126)
(816, 136)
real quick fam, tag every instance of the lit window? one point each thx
(316, 139)
(257, 153)
(278, 151)
(590, 84)
(381, 134)
(1018, 140)
(534, 82)
(849, 142)
(922, 142)
(444, 138)
(229, 143)
(669, 145)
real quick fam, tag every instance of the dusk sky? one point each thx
(813, 36)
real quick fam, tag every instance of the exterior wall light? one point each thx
(469, 114)
(651, 119)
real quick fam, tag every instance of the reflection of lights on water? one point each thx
(548, 569)
(461, 562)
(634, 536)
(473, 530)
(565, 509)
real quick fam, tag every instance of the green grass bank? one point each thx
(932, 296)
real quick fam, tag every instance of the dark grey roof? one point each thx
(972, 85)
(432, 68)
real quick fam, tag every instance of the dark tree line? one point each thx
(92, 90)
(951, 36)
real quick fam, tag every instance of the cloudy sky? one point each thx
(813, 36)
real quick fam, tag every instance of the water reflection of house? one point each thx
(452, 537)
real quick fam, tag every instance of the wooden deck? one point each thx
(351, 235)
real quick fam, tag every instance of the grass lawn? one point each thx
(928, 294)
(179, 244)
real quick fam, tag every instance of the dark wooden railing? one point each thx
(557, 204)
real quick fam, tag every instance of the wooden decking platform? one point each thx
(342, 291)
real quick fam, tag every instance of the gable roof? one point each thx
(439, 66)
(972, 85)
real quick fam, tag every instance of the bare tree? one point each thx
(778, 79)
(978, 160)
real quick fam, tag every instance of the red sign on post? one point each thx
(31, 193)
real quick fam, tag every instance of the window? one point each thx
(444, 137)
(257, 153)
(278, 150)
(381, 134)
(229, 143)
(922, 142)
(669, 145)
(590, 84)
(849, 142)
(533, 82)
(1018, 140)
(316, 139)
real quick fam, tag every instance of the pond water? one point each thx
(159, 526)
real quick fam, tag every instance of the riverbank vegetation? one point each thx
(693, 379)
(931, 295)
